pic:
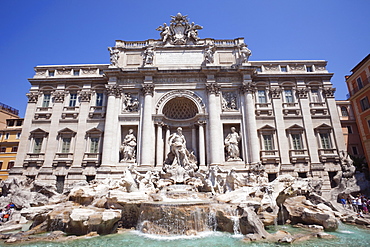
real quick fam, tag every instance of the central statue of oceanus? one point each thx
(180, 164)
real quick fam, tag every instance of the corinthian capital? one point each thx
(329, 92)
(113, 90)
(32, 97)
(213, 88)
(248, 87)
(147, 89)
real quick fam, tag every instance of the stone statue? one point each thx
(130, 178)
(148, 55)
(348, 169)
(165, 33)
(232, 180)
(208, 54)
(128, 147)
(180, 164)
(232, 146)
(114, 55)
(245, 53)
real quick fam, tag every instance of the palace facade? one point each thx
(79, 116)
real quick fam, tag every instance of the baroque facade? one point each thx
(92, 121)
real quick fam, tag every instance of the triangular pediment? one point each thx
(66, 131)
(94, 131)
(38, 131)
(267, 127)
(323, 126)
(295, 126)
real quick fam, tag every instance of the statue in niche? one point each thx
(229, 102)
(130, 104)
(209, 54)
(148, 55)
(180, 164)
(128, 147)
(245, 53)
(114, 55)
(232, 146)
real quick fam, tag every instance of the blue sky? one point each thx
(47, 32)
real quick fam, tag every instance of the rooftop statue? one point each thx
(180, 31)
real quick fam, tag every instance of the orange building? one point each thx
(359, 89)
(10, 132)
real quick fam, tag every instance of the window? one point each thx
(10, 165)
(19, 122)
(297, 141)
(368, 123)
(258, 69)
(288, 96)
(344, 111)
(76, 72)
(262, 96)
(1, 165)
(10, 123)
(66, 144)
(14, 149)
(315, 96)
(354, 150)
(99, 99)
(349, 129)
(364, 104)
(46, 100)
(37, 145)
(359, 83)
(94, 145)
(72, 99)
(3, 149)
(51, 73)
(283, 69)
(7, 136)
(309, 68)
(267, 142)
(325, 141)
(18, 135)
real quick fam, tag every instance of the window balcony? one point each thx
(66, 158)
(98, 111)
(300, 155)
(269, 156)
(37, 158)
(91, 158)
(329, 155)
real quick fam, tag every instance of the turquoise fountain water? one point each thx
(346, 236)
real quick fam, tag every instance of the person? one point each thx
(343, 201)
(178, 148)
(128, 147)
(232, 145)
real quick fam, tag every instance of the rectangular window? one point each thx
(297, 142)
(315, 96)
(18, 135)
(19, 122)
(364, 104)
(72, 99)
(262, 96)
(99, 99)
(51, 73)
(14, 149)
(10, 165)
(259, 69)
(66, 144)
(359, 83)
(288, 96)
(283, 69)
(325, 140)
(76, 72)
(46, 101)
(267, 142)
(37, 145)
(344, 111)
(3, 149)
(7, 136)
(309, 69)
(94, 145)
(354, 150)
(349, 129)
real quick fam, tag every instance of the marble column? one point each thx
(110, 129)
(147, 126)
(194, 139)
(202, 153)
(215, 131)
(166, 144)
(159, 160)
(251, 124)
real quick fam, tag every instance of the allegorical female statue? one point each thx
(232, 146)
(128, 147)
